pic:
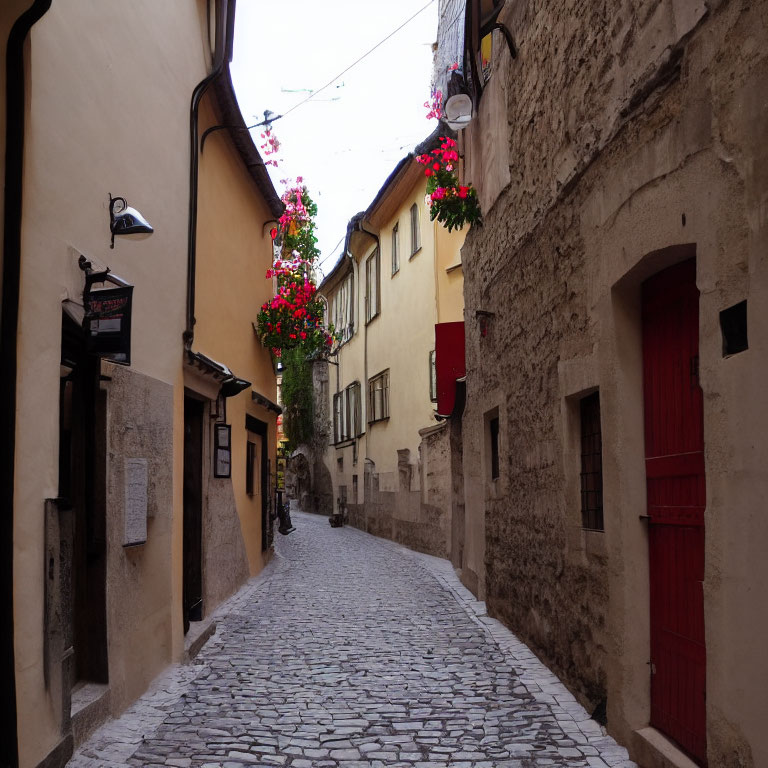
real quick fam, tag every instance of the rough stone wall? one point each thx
(559, 606)
(606, 101)
(418, 513)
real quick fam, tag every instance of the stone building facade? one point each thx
(619, 154)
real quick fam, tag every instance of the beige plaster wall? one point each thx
(449, 276)
(233, 256)
(386, 461)
(401, 337)
(635, 155)
(101, 119)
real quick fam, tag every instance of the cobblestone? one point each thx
(352, 652)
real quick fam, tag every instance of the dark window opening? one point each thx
(733, 325)
(494, 427)
(250, 461)
(591, 464)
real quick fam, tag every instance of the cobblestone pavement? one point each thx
(352, 652)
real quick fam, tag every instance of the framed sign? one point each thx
(136, 484)
(107, 323)
(222, 450)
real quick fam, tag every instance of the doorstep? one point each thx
(198, 635)
(653, 749)
(89, 709)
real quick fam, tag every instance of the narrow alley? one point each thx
(351, 651)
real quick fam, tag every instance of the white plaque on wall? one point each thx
(135, 502)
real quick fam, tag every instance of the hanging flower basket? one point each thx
(451, 203)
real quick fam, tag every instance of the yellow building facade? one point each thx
(139, 469)
(400, 275)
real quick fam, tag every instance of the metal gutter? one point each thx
(9, 326)
(224, 27)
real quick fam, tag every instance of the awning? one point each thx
(216, 373)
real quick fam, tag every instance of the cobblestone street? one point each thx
(351, 651)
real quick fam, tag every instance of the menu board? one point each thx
(107, 323)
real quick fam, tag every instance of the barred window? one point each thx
(378, 397)
(591, 463)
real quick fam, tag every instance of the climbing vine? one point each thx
(292, 324)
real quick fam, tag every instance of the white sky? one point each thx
(346, 147)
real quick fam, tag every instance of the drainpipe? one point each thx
(222, 54)
(9, 326)
(361, 227)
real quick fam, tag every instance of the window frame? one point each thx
(372, 286)
(433, 376)
(493, 429)
(415, 215)
(591, 462)
(476, 29)
(250, 465)
(347, 413)
(396, 249)
(373, 416)
(343, 309)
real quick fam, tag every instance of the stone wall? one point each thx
(414, 508)
(629, 130)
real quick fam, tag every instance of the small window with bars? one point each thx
(591, 463)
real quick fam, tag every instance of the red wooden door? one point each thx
(674, 466)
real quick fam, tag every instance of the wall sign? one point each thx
(136, 481)
(222, 450)
(107, 323)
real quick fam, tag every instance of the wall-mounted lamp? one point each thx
(233, 386)
(124, 220)
(458, 111)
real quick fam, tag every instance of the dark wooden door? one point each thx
(674, 451)
(193, 511)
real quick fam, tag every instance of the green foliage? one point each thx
(298, 395)
(451, 204)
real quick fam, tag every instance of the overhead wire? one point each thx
(344, 72)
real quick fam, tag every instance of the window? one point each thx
(493, 426)
(591, 463)
(343, 316)
(346, 413)
(415, 230)
(481, 23)
(395, 249)
(378, 397)
(372, 286)
(433, 376)
(250, 461)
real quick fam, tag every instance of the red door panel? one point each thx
(674, 451)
